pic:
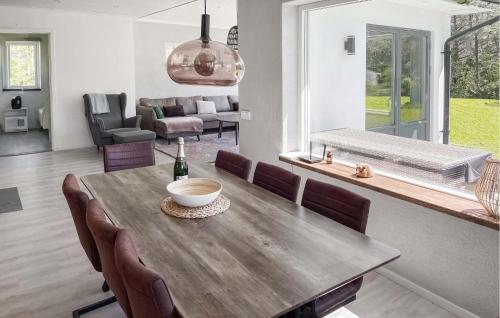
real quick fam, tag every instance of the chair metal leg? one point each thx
(199, 139)
(94, 306)
(221, 123)
(105, 286)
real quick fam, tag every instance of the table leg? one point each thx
(220, 128)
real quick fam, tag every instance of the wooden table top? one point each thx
(261, 258)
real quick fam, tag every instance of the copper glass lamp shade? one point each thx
(205, 62)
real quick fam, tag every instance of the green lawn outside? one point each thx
(473, 122)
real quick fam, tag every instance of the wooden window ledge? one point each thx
(450, 204)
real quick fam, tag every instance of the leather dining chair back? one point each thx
(147, 293)
(340, 205)
(349, 209)
(77, 202)
(233, 163)
(128, 156)
(104, 234)
(277, 180)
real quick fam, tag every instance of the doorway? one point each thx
(397, 81)
(24, 93)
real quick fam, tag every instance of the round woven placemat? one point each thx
(169, 207)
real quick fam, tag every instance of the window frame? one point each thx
(304, 103)
(38, 75)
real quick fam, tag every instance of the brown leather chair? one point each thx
(128, 156)
(277, 180)
(349, 209)
(233, 163)
(77, 202)
(104, 234)
(147, 293)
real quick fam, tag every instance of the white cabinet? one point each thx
(15, 120)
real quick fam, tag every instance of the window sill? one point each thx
(22, 90)
(462, 208)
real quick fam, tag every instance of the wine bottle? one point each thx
(181, 166)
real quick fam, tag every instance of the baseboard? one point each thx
(419, 290)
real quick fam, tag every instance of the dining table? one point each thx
(263, 257)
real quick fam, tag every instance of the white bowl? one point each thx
(194, 192)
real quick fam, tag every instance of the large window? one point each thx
(22, 65)
(382, 104)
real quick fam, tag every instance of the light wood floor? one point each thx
(44, 272)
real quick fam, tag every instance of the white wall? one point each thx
(32, 100)
(151, 77)
(259, 23)
(337, 80)
(452, 258)
(455, 259)
(90, 54)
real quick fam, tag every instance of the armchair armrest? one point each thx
(133, 122)
(148, 117)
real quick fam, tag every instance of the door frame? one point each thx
(396, 92)
(51, 52)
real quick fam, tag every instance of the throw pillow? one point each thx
(158, 112)
(206, 107)
(173, 111)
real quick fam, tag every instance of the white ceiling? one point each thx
(223, 12)
(448, 6)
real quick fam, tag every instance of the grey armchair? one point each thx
(103, 126)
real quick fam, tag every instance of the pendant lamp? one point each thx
(205, 62)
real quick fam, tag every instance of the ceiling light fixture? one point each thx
(205, 62)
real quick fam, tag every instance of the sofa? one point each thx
(103, 126)
(224, 104)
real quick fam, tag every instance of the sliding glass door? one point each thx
(397, 81)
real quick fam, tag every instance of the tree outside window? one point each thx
(22, 65)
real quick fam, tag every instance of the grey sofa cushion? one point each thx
(205, 117)
(227, 113)
(189, 104)
(162, 102)
(233, 99)
(221, 102)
